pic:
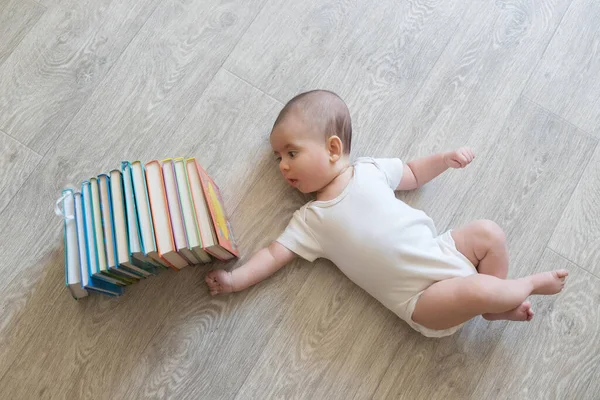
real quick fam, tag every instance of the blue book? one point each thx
(88, 282)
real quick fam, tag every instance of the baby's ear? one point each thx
(335, 148)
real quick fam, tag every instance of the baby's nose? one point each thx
(283, 166)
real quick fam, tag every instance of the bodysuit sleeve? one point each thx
(392, 168)
(299, 238)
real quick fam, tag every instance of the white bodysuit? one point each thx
(386, 247)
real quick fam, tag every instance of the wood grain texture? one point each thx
(468, 94)
(16, 163)
(334, 45)
(566, 80)
(419, 75)
(57, 66)
(524, 186)
(149, 97)
(325, 341)
(534, 169)
(557, 355)
(17, 17)
(205, 347)
(577, 235)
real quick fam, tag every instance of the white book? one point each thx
(140, 193)
(83, 217)
(179, 234)
(72, 265)
(108, 229)
(98, 241)
(161, 217)
(188, 212)
(120, 225)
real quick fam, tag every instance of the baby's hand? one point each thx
(219, 281)
(459, 158)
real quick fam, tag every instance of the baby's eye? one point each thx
(292, 154)
(278, 159)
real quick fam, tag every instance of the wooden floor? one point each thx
(85, 84)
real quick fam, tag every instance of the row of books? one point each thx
(138, 220)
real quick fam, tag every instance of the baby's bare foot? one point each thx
(521, 313)
(549, 282)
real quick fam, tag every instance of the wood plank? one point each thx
(17, 17)
(134, 112)
(467, 96)
(577, 235)
(524, 186)
(16, 163)
(295, 46)
(557, 355)
(59, 64)
(535, 169)
(566, 80)
(325, 341)
(205, 347)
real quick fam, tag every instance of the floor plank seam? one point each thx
(27, 34)
(184, 117)
(533, 71)
(243, 34)
(572, 262)
(254, 86)
(21, 143)
(104, 78)
(582, 131)
(583, 169)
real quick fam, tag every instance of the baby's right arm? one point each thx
(262, 265)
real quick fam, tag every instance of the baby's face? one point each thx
(302, 155)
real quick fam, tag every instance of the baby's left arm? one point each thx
(420, 171)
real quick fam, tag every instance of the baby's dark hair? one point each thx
(325, 111)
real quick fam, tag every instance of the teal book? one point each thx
(93, 228)
(138, 257)
(87, 281)
(108, 227)
(122, 248)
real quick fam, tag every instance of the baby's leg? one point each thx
(483, 242)
(451, 302)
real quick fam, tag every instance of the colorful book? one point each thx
(144, 216)
(87, 281)
(179, 234)
(108, 231)
(161, 216)
(141, 219)
(102, 264)
(72, 266)
(124, 256)
(188, 212)
(214, 225)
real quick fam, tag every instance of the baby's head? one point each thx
(311, 139)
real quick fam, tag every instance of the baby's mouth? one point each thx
(293, 182)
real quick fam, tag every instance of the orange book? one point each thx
(215, 229)
(161, 216)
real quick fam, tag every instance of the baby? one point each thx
(391, 250)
